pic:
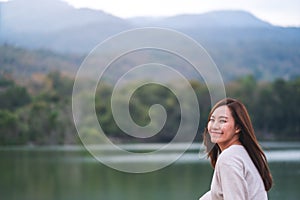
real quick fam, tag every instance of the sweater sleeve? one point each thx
(233, 183)
(206, 196)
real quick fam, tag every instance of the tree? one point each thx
(14, 97)
(8, 128)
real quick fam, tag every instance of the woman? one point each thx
(241, 169)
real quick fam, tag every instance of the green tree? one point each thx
(8, 128)
(14, 97)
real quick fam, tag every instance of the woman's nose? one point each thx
(215, 125)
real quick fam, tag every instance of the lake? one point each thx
(70, 172)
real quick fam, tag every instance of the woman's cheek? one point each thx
(223, 126)
(208, 126)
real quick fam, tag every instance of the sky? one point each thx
(276, 12)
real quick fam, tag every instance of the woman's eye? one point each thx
(223, 121)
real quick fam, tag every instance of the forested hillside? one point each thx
(23, 63)
(239, 42)
(36, 108)
(44, 44)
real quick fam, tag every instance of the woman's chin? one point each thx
(214, 140)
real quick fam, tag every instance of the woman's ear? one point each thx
(237, 129)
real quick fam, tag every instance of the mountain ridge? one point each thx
(47, 15)
(219, 18)
(58, 26)
(238, 42)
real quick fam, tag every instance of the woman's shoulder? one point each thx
(233, 154)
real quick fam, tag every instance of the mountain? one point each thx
(238, 42)
(54, 24)
(44, 16)
(232, 19)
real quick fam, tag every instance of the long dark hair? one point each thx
(246, 137)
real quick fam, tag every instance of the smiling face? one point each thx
(222, 128)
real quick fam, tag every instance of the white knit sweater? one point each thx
(236, 177)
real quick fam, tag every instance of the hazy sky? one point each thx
(277, 12)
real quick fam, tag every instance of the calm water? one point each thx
(72, 173)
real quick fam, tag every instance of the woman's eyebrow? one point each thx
(223, 116)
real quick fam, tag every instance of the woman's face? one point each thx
(222, 129)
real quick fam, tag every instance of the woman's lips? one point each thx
(216, 133)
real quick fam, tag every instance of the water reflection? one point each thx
(72, 173)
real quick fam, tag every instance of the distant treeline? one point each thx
(38, 111)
